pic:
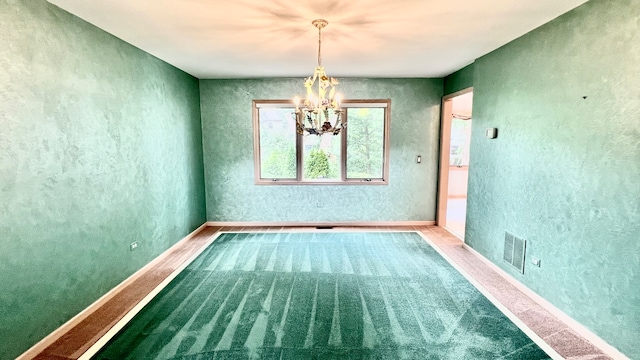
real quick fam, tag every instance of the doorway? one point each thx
(454, 161)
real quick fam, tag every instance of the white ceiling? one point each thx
(275, 38)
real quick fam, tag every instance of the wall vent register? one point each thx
(514, 250)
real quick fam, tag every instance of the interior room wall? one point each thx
(228, 156)
(459, 80)
(100, 146)
(564, 171)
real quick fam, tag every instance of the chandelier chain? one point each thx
(319, 45)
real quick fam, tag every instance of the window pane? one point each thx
(277, 143)
(321, 157)
(460, 142)
(365, 143)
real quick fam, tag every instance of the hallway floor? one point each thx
(456, 215)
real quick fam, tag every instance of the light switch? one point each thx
(491, 133)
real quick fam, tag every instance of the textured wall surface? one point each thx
(100, 146)
(228, 155)
(459, 80)
(564, 172)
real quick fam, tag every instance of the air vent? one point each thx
(514, 249)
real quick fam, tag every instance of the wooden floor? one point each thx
(554, 332)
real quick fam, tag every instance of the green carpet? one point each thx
(320, 296)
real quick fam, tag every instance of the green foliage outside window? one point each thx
(365, 139)
(317, 166)
(281, 163)
(277, 144)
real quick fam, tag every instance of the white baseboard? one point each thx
(460, 237)
(64, 328)
(321, 224)
(573, 324)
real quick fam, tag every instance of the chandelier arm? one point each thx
(320, 95)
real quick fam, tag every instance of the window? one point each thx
(358, 155)
(460, 141)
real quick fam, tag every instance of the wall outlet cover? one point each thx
(535, 261)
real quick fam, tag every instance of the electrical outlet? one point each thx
(320, 204)
(133, 245)
(535, 261)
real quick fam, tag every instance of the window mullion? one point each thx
(343, 148)
(299, 154)
(386, 143)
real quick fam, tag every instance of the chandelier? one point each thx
(320, 112)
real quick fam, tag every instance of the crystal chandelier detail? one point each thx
(320, 112)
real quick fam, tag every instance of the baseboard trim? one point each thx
(461, 238)
(64, 328)
(572, 323)
(321, 224)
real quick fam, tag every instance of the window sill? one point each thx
(316, 182)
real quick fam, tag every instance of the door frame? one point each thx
(446, 117)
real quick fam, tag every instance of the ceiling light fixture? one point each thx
(320, 112)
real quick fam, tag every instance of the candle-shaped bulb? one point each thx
(338, 100)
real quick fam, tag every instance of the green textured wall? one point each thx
(228, 156)
(100, 146)
(564, 172)
(459, 80)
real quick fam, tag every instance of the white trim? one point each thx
(286, 104)
(458, 236)
(40, 346)
(270, 104)
(458, 93)
(519, 323)
(320, 224)
(363, 104)
(314, 231)
(139, 306)
(572, 323)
